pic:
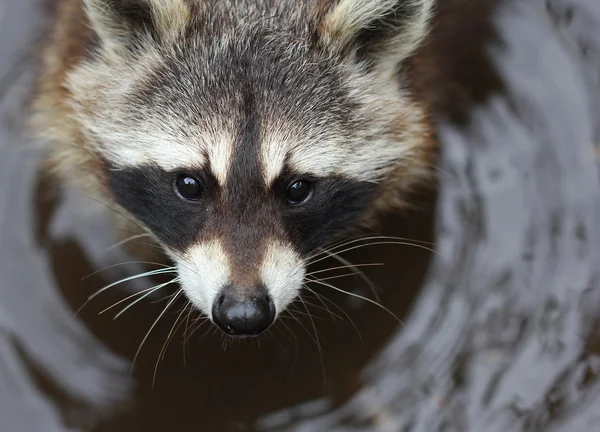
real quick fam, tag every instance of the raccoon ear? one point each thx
(371, 29)
(127, 25)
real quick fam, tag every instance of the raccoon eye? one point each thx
(298, 192)
(188, 188)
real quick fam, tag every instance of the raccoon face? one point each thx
(246, 135)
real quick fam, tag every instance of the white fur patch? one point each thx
(220, 153)
(273, 154)
(282, 272)
(165, 150)
(204, 270)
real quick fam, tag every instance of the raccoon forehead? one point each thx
(360, 155)
(298, 131)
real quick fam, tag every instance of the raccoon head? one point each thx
(245, 135)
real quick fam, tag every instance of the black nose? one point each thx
(243, 315)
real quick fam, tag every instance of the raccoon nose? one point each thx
(243, 315)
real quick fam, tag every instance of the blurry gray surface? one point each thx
(499, 338)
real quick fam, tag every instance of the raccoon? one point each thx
(244, 135)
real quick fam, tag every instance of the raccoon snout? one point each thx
(244, 314)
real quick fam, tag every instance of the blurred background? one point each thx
(498, 292)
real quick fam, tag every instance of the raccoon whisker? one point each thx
(323, 298)
(343, 267)
(336, 276)
(209, 332)
(127, 240)
(200, 322)
(358, 239)
(151, 245)
(190, 306)
(299, 321)
(229, 342)
(317, 341)
(287, 327)
(117, 212)
(126, 263)
(377, 243)
(360, 297)
(357, 271)
(128, 231)
(127, 279)
(149, 234)
(158, 287)
(284, 317)
(444, 172)
(175, 297)
(107, 287)
(415, 241)
(224, 341)
(319, 297)
(333, 315)
(324, 307)
(185, 308)
(306, 314)
(146, 244)
(163, 350)
(334, 246)
(275, 331)
(162, 299)
(149, 291)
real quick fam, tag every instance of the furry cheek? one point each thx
(203, 271)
